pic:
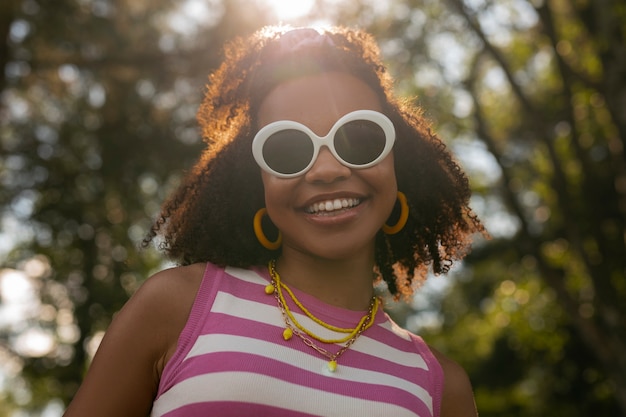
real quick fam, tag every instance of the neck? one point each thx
(342, 283)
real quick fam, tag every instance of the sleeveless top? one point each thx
(232, 360)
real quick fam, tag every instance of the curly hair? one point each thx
(209, 217)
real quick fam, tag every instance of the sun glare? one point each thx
(290, 9)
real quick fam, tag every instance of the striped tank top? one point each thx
(231, 360)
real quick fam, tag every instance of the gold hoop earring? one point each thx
(404, 216)
(258, 232)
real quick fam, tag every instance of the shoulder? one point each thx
(457, 399)
(171, 289)
(124, 375)
(165, 300)
(170, 292)
(159, 310)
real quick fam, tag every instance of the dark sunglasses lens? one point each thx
(288, 151)
(359, 142)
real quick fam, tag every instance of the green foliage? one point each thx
(536, 315)
(100, 99)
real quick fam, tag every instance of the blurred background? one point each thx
(97, 107)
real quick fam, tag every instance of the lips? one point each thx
(336, 204)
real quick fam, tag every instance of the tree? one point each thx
(531, 96)
(98, 109)
(575, 131)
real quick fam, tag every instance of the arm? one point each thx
(124, 376)
(458, 398)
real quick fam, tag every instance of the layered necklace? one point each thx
(293, 326)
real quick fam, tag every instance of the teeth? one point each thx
(332, 205)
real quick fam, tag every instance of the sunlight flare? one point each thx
(289, 9)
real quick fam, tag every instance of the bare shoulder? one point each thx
(124, 376)
(183, 278)
(171, 290)
(167, 294)
(458, 398)
(165, 300)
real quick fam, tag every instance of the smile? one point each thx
(332, 205)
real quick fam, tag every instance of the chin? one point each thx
(338, 253)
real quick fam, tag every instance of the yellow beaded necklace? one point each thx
(292, 326)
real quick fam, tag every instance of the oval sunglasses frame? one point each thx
(368, 115)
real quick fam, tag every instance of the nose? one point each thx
(327, 168)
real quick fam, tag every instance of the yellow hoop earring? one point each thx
(258, 231)
(404, 216)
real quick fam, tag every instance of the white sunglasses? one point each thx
(359, 139)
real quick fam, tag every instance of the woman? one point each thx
(316, 182)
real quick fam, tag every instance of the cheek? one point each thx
(274, 189)
(387, 182)
(387, 173)
(268, 186)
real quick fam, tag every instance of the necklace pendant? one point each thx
(332, 365)
(287, 333)
(269, 289)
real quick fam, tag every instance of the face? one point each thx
(331, 211)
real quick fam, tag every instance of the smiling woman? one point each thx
(294, 320)
(287, 9)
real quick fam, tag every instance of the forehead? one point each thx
(317, 101)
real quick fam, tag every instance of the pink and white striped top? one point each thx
(232, 360)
